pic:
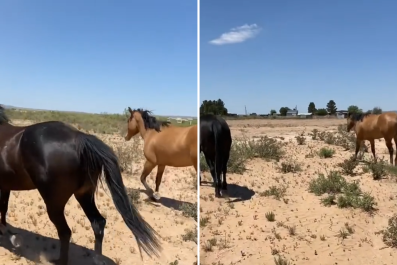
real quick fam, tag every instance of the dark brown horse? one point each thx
(60, 161)
(374, 126)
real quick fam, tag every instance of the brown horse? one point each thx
(374, 126)
(164, 145)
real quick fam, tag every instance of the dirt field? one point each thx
(259, 223)
(173, 218)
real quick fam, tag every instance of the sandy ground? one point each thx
(27, 216)
(243, 234)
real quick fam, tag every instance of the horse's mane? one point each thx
(359, 116)
(151, 122)
(3, 116)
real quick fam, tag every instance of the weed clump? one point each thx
(290, 166)
(190, 235)
(267, 148)
(300, 139)
(314, 134)
(326, 152)
(134, 195)
(189, 210)
(348, 166)
(378, 169)
(276, 192)
(270, 216)
(242, 150)
(390, 233)
(341, 192)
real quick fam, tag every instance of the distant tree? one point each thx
(253, 114)
(216, 107)
(331, 107)
(376, 110)
(354, 109)
(312, 108)
(322, 112)
(272, 112)
(284, 110)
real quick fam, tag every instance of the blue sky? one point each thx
(99, 56)
(293, 52)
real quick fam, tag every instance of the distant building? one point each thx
(307, 115)
(341, 114)
(293, 112)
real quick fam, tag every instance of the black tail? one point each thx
(94, 154)
(216, 128)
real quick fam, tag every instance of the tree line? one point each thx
(217, 107)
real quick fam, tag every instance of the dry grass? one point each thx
(93, 123)
(174, 219)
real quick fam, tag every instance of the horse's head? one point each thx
(143, 120)
(354, 118)
(132, 127)
(351, 121)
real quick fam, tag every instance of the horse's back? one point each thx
(387, 122)
(50, 148)
(211, 124)
(42, 149)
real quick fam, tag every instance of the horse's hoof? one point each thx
(57, 262)
(156, 196)
(16, 240)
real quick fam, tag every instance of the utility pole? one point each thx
(245, 110)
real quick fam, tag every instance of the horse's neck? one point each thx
(150, 133)
(7, 126)
(368, 124)
(9, 129)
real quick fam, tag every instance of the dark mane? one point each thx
(358, 116)
(3, 116)
(151, 122)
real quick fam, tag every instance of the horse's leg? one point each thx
(159, 176)
(389, 145)
(55, 209)
(395, 142)
(213, 175)
(194, 161)
(98, 222)
(358, 145)
(372, 142)
(147, 168)
(4, 198)
(224, 171)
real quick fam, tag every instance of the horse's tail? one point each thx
(216, 128)
(95, 154)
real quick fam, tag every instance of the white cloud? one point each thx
(237, 35)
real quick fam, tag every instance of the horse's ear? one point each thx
(130, 110)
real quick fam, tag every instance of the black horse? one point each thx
(215, 143)
(60, 161)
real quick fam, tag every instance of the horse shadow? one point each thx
(236, 192)
(38, 249)
(166, 202)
